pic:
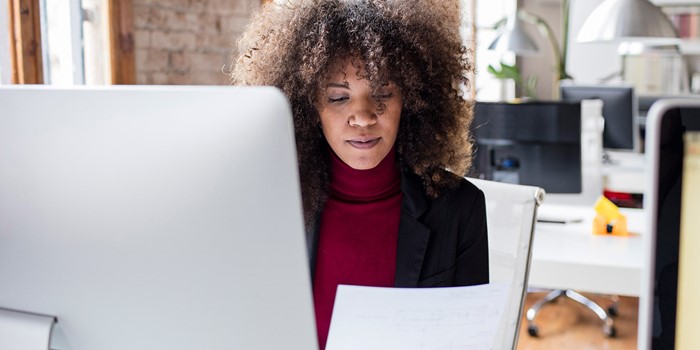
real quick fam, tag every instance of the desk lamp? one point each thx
(627, 20)
(514, 38)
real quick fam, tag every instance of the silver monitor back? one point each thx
(154, 217)
(668, 305)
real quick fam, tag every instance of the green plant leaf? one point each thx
(493, 70)
(505, 72)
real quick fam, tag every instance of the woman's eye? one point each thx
(339, 99)
(385, 96)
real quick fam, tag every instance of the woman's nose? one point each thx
(364, 116)
(363, 119)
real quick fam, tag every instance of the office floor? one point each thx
(567, 325)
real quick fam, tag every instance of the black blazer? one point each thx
(442, 242)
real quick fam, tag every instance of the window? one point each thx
(5, 59)
(488, 13)
(66, 42)
(62, 42)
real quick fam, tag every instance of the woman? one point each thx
(376, 89)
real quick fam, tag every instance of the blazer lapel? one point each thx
(413, 235)
(312, 244)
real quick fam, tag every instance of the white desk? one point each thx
(570, 256)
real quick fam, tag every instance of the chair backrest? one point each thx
(511, 211)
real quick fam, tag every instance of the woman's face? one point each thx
(359, 134)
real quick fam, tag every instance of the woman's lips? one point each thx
(363, 143)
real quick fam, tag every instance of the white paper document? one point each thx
(450, 318)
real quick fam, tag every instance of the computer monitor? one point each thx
(620, 131)
(537, 144)
(154, 217)
(669, 304)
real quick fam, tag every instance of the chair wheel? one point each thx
(532, 330)
(612, 310)
(609, 331)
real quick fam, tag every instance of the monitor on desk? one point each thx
(620, 131)
(669, 304)
(537, 144)
(154, 217)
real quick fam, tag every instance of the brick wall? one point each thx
(182, 42)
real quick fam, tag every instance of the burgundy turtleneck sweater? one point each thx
(358, 235)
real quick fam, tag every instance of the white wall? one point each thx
(542, 65)
(590, 62)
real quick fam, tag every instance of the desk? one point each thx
(569, 256)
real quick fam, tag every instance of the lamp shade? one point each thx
(627, 20)
(514, 39)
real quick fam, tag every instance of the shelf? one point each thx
(690, 47)
(685, 16)
(676, 2)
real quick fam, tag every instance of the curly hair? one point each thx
(413, 43)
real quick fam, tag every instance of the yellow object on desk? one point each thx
(608, 219)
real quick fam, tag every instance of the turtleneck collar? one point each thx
(364, 185)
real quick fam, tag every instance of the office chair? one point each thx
(592, 188)
(511, 211)
(607, 317)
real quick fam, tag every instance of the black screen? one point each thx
(618, 111)
(537, 144)
(675, 125)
